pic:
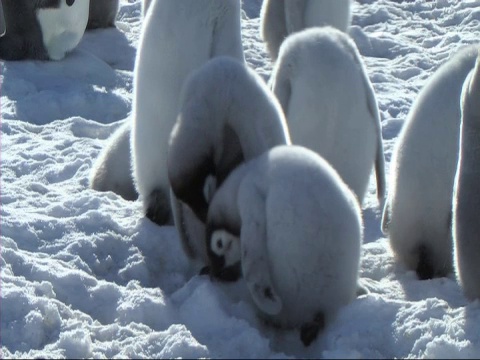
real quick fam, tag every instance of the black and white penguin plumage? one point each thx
(217, 128)
(42, 29)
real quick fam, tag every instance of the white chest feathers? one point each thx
(63, 27)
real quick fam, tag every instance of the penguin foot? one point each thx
(158, 208)
(424, 269)
(309, 331)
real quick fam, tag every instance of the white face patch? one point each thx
(227, 245)
(63, 27)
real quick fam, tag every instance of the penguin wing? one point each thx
(254, 256)
(281, 87)
(178, 211)
(386, 218)
(380, 157)
(2, 21)
(471, 92)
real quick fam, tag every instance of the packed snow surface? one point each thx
(85, 274)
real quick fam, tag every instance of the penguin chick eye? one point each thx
(70, 2)
(227, 245)
(219, 242)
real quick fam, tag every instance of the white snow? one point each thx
(84, 274)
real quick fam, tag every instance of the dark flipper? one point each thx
(380, 156)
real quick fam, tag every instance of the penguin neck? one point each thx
(258, 128)
(224, 206)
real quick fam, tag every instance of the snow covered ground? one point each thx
(84, 274)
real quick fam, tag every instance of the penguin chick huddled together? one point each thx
(227, 115)
(280, 215)
(296, 229)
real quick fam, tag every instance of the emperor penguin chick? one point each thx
(218, 127)
(417, 216)
(296, 229)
